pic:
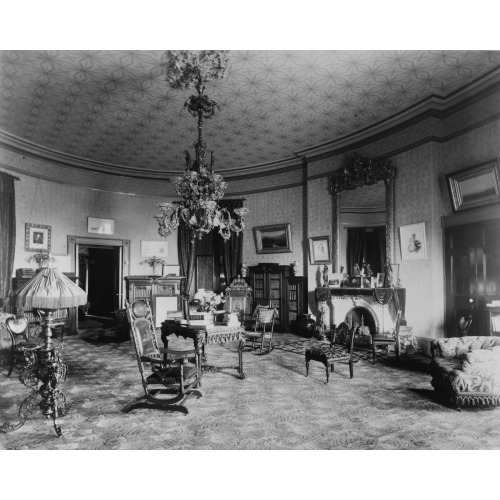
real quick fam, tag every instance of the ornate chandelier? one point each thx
(200, 187)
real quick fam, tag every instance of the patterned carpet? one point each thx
(385, 406)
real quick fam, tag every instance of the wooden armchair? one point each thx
(18, 331)
(388, 339)
(172, 371)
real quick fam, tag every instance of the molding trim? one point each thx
(432, 107)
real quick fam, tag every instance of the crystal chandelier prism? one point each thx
(200, 188)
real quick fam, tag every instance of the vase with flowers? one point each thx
(42, 259)
(153, 262)
(210, 303)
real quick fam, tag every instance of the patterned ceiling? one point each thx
(116, 107)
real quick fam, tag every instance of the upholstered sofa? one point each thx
(466, 370)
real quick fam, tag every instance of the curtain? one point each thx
(187, 261)
(356, 248)
(232, 249)
(7, 231)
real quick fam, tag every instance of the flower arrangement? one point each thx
(42, 259)
(211, 301)
(154, 261)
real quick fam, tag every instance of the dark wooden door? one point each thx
(472, 257)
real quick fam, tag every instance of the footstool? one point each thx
(328, 355)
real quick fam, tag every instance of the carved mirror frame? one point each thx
(361, 172)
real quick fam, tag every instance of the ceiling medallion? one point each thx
(200, 187)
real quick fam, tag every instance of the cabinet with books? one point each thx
(296, 298)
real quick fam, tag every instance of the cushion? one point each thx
(327, 352)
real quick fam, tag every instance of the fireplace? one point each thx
(375, 306)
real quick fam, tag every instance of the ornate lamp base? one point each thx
(42, 364)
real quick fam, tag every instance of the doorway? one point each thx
(99, 274)
(472, 257)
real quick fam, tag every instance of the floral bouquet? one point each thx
(42, 259)
(154, 261)
(211, 301)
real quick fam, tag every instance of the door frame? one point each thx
(123, 266)
(465, 218)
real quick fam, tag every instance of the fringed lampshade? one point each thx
(48, 291)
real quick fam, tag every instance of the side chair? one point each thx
(388, 339)
(170, 371)
(341, 349)
(18, 332)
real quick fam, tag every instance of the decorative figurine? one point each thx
(244, 269)
(325, 275)
(368, 271)
(355, 270)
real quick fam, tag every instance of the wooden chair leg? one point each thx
(373, 352)
(327, 374)
(351, 369)
(12, 361)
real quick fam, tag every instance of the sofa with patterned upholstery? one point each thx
(466, 370)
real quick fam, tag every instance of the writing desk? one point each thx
(207, 335)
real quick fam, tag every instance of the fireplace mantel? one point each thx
(379, 302)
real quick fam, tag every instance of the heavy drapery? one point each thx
(187, 261)
(7, 231)
(232, 249)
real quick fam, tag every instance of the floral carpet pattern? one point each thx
(386, 406)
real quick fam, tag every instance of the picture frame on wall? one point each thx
(319, 250)
(37, 237)
(100, 226)
(412, 241)
(275, 238)
(154, 248)
(475, 186)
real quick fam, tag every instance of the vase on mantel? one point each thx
(296, 268)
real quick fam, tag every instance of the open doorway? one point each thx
(99, 275)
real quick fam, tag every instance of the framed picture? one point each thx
(37, 238)
(319, 250)
(273, 239)
(154, 249)
(165, 307)
(475, 186)
(100, 226)
(380, 280)
(412, 241)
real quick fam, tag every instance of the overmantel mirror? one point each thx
(363, 201)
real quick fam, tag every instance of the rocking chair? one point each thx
(173, 372)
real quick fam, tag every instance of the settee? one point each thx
(466, 370)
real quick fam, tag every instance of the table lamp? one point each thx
(47, 291)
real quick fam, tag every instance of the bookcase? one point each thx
(296, 300)
(273, 283)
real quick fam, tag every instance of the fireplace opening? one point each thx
(358, 316)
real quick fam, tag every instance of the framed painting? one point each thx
(319, 250)
(37, 238)
(412, 241)
(100, 226)
(475, 187)
(273, 239)
(154, 249)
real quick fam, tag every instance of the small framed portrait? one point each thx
(475, 186)
(273, 239)
(319, 250)
(380, 280)
(412, 240)
(37, 238)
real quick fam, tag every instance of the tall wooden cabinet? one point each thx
(274, 284)
(472, 256)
